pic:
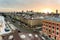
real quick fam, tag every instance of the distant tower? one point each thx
(22, 11)
(56, 11)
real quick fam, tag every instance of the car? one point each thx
(13, 21)
(43, 38)
(18, 31)
(35, 31)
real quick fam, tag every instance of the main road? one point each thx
(18, 25)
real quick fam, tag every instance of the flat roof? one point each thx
(56, 19)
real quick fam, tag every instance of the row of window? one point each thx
(48, 25)
(52, 27)
(51, 23)
(54, 37)
(52, 31)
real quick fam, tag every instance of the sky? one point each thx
(36, 5)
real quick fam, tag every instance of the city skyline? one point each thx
(36, 5)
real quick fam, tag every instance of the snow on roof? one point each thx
(53, 18)
(3, 27)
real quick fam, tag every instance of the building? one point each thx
(30, 19)
(56, 11)
(4, 28)
(51, 27)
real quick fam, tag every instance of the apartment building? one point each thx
(51, 27)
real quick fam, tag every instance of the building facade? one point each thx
(51, 28)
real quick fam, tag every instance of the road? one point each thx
(17, 24)
(20, 26)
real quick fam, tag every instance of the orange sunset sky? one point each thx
(36, 5)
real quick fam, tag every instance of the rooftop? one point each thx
(32, 16)
(57, 19)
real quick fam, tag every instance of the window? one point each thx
(46, 25)
(46, 29)
(53, 27)
(53, 31)
(46, 22)
(57, 24)
(53, 23)
(55, 37)
(49, 31)
(57, 28)
(49, 23)
(49, 26)
(57, 33)
(49, 35)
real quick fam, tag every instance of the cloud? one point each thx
(28, 4)
(11, 3)
(17, 3)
